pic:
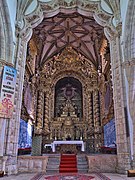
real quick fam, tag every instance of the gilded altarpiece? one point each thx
(83, 124)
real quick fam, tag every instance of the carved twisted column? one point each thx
(84, 132)
(90, 130)
(40, 110)
(37, 139)
(96, 109)
(96, 120)
(46, 115)
(90, 109)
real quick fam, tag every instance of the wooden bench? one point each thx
(1, 173)
(131, 173)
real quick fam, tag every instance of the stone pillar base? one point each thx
(3, 160)
(9, 165)
(123, 168)
(36, 145)
(121, 171)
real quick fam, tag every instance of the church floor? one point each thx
(93, 176)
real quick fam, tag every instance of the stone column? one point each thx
(37, 138)
(2, 135)
(11, 141)
(122, 139)
(129, 69)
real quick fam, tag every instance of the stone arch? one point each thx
(60, 75)
(104, 19)
(67, 74)
(49, 9)
(6, 58)
(6, 40)
(129, 66)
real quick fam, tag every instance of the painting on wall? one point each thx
(25, 134)
(110, 134)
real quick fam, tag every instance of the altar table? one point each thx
(55, 143)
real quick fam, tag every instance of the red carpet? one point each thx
(68, 163)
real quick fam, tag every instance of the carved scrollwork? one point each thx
(69, 60)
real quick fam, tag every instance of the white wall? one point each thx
(12, 5)
(123, 8)
(130, 122)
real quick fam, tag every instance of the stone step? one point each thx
(82, 171)
(82, 164)
(54, 158)
(50, 166)
(81, 160)
(53, 171)
(53, 165)
(82, 167)
(54, 162)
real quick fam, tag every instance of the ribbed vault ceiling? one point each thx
(82, 33)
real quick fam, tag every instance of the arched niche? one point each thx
(104, 19)
(68, 89)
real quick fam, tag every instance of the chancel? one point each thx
(67, 92)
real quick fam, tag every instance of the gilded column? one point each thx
(59, 133)
(90, 110)
(46, 115)
(96, 109)
(90, 130)
(40, 107)
(96, 120)
(37, 138)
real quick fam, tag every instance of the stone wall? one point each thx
(105, 163)
(32, 163)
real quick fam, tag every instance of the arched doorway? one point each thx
(49, 65)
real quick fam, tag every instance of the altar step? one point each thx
(82, 164)
(53, 164)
